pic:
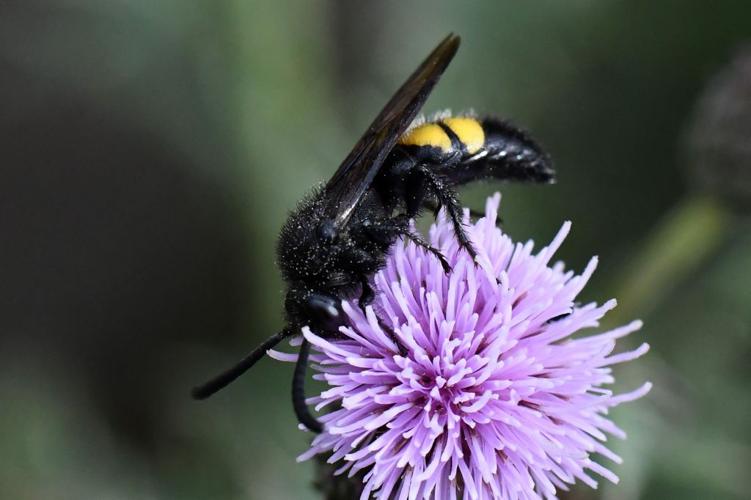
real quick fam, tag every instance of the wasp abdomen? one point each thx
(468, 133)
(428, 135)
(512, 154)
(461, 134)
(464, 148)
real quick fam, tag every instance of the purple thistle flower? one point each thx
(469, 384)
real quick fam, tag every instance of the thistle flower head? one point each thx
(469, 384)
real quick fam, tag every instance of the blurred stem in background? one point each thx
(717, 161)
(673, 261)
(675, 249)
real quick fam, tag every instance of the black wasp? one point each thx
(339, 235)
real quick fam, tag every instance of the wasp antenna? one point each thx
(228, 376)
(298, 391)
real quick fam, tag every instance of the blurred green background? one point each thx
(149, 151)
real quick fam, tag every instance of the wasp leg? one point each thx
(447, 199)
(366, 298)
(415, 194)
(399, 345)
(415, 238)
(367, 295)
(436, 207)
(399, 226)
(298, 391)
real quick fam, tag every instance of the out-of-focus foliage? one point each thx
(150, 150)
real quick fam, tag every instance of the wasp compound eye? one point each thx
(323, 306)
(327, 231)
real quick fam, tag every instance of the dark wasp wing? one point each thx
(354, 176)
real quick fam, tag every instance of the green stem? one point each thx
(678, 245)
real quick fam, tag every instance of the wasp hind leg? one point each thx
(447, 199)
(435, 207)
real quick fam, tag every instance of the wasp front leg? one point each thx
(367, 295)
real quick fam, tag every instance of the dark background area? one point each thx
(149, 152)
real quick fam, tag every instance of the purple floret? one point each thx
(469, 384)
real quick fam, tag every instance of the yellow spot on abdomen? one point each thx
(469, 131)
(428, 134)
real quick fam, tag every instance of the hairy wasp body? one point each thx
(339, 235)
